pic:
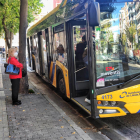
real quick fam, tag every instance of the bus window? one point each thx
(59, 49)
(33, 52)
(28, 51)
(44, 46)
(80, 44)
(49, 40)
(116, 60)
(37, 55)
(43, 49)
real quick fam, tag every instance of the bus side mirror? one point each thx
(94, 14)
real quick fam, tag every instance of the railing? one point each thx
(132, 11)
(137, 5)
(138, 26)
(138, 15)
(131, 19)
(130, 4)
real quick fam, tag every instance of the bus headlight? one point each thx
(105, 103)
(113, 103)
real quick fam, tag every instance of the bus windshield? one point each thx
(117, 42)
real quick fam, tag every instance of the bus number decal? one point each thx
(107, 96)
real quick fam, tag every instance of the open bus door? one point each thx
(47, 54)
(32, 53)
(80, 73)
(29, 55)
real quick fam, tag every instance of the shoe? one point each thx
(19, 101)
(87, 100)
(16, 103)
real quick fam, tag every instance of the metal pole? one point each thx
(137, 34)
(6, 50)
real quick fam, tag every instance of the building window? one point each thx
(57, 4)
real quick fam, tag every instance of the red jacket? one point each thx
(15, 62)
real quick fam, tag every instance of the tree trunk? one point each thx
(11, 38)
(6, 31)
(22, 43)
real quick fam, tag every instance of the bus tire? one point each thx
(62, 88)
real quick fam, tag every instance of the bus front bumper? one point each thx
(109, 111)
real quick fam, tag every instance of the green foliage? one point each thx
(130, 33)
(30, 91)
(78, 33)
(107, 37)
(124, 39)
(10, 10)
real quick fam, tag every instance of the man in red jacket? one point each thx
(15, 79)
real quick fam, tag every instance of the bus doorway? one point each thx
(80, 72)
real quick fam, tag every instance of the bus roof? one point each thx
(46, 16)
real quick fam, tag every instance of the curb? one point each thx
(68, 119)
(3, 111)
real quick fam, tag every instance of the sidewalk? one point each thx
(38, 118)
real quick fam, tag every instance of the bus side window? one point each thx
(50, 44)
(59, 48)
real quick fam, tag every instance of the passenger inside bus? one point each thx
(82, 63)
(34, 50)
(60, 51)
(81, 70)
(80, 49)
(85, 59)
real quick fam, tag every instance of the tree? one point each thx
(15, 13)
(10, 16)
(130, 33)
(123, 39)
(107, 37)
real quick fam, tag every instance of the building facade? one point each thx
(56, 3)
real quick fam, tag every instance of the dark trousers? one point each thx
(15, 89)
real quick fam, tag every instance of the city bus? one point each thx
(87, 47)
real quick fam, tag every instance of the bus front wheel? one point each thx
(62, 88)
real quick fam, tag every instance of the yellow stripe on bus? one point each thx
(127, 95)
(64, 3)
(45, 17)
(51, 67)
(54, 78)
(66, 77)
(81, 106)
